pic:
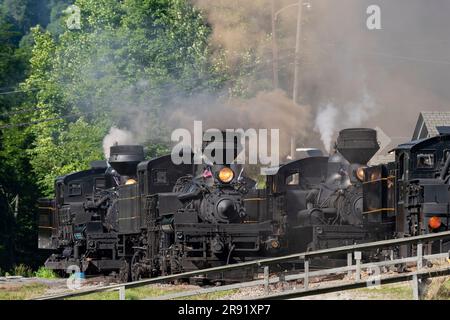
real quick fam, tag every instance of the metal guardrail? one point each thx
(413, 276)
(349, 269)
(305, 256)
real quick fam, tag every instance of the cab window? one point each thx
(60, 191)
(425, 160)
(446, 154)
(293, 179)
(160, 177)
(100, 183)
(74, 189)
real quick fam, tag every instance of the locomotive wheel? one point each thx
(124, 272)
(139, 269)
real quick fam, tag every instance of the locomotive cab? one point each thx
(422, 186)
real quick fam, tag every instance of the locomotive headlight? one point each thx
(434, 222)
(130, 181)
(360, 174)
(226, 175)
(275, 244)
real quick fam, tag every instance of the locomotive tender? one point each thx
(148, 218)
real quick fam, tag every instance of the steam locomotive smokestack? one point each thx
(125, 158)
(357, 145)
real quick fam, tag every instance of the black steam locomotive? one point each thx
(148, 218)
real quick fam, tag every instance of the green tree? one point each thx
(126, 63)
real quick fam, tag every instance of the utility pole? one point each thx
(274, 48)
(297, 52)
(297, 65)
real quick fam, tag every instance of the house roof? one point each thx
(428, 122)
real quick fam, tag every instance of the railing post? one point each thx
(419, 256)
(306, 281)
(349, 263)
(282, 280)
(415, 287)
(122, 293)
(358, 265)
(266, 279)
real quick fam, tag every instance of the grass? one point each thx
(130, 294)
(22, 270)
(26, 271)
(388, 292)
(151, 291)
(444, 291)
(212, 296)
(22, 292)
(404, 292)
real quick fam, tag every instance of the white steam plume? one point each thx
(325, 124)
(330, 119)
(119, 136)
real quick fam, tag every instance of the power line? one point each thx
(384, 54)
(72, 115)
(174, 68)
(24, 124)
(17, 91)
(415, 59)
(21, 111)
(162, 86)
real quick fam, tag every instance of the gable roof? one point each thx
(428, 122)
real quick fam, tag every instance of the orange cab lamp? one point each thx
(434, 222)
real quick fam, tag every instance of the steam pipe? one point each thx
(445, 169)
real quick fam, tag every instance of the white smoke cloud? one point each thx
(119, 136)
(325, 124)
(330, 118)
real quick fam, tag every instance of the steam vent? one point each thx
(357, 145)
(125, 158)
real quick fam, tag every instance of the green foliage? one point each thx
(125, 64)
(22, 270)
(45, 273)
(154, 150)
(123, 68)
(72, 150)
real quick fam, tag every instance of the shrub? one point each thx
(22, 270)
(46, 273)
